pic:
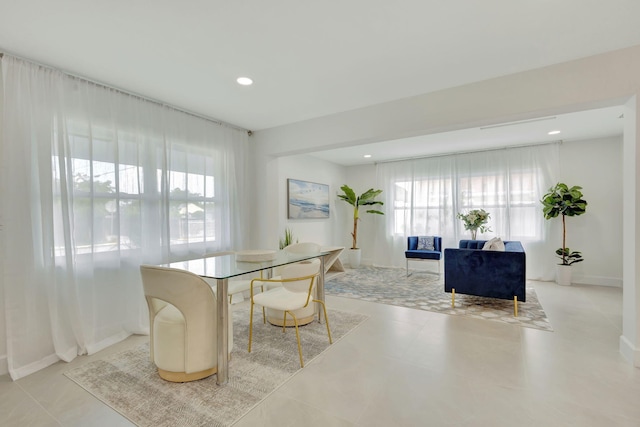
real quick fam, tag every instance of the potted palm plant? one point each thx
(564, 201)
(365, 199)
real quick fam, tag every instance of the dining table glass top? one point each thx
(227, 266)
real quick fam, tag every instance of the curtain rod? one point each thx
(452, 153)
(129, 93)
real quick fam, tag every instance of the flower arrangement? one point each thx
(474, 220)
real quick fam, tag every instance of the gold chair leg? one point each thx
(326, 319)
(453, 297)
(515, 306)
(295, 322)
(284, 322)
(264, 316)
(250, 325)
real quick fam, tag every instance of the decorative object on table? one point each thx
(256, 255)
(365, 199)
(474, 220)
(307, 200)
(423, 291)
(287, 239)
(126, 381)
(235, 286)
(423, 248)
(562, 200)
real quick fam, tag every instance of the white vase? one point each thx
(563, 275)
(355, 256)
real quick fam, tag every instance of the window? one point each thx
(427, 194)
(113, 200)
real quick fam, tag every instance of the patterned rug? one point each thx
(425, 291)
(129, 383)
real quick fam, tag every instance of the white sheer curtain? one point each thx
(424, 196)
(94, 183)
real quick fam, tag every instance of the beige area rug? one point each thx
(128, 382)
(425, 291)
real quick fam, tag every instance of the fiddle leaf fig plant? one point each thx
(564, 201)
(365, 199)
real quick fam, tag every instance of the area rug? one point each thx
(425, 291)
(129, 383)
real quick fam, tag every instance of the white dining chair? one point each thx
(182, 323)
(298, 283)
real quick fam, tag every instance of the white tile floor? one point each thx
(406, 367)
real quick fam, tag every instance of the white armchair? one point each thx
(182, 323)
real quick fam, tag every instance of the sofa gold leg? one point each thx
(453, 298)
(515, 306)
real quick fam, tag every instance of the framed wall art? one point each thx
(307, 200)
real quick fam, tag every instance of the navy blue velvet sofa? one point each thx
(496, 274)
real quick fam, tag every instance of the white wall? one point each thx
(597, 81)
(609, 79)
(360, 179)
(596, 166)
(4, 369)
(326, 232)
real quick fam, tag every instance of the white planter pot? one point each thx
(355, 255)
(563, 275)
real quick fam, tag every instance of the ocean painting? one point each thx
(307, 200)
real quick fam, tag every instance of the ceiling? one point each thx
(308, 59)
(582, 125)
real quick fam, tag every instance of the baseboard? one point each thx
(4, 365)
(598, 281)
(34, 367)
(630, 352)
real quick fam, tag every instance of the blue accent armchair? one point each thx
(496, 274)
(414, 254)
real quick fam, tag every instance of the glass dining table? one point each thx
(224, 267)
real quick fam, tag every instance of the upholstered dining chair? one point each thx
(298, 283)
(306, 314)
(182, 323)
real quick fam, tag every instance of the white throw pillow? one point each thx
(495, 244)
(426, 243)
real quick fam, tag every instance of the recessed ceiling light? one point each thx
(244, 81)
(554, 132)
(366, 156)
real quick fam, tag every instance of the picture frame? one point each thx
(307, 200)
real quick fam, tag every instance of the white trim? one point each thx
(23, 371)
(4, 366)
(615, 282)
(113, 339)
(630, 352)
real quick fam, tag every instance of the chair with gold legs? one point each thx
(298, 282)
